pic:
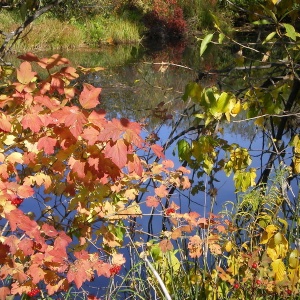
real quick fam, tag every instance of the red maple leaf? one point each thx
(102, 268)
(12, 241)
(77, 166)
(134, 164)
(47, 143)
(36, 272)
(79, 272)
(25, 74)
(29, 57)
(158, 150)
(32, 121)
(4, 123)
(117, 152)
(112, 130)
(54, 60)
(132, 132)
(4, 250)
(49, 230)
(89, 96)
(98, 118)
(26, 245)
(91, 135)
(50, 103)
(69, 73)
(72, 117)
(57, 84)
(25, 191)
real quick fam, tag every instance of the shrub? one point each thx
(166, 20)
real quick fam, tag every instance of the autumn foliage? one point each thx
(68, 179)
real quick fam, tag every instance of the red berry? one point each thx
(114, 270)
(289, 292)
(258, 282)
(254, 265)
(236, 286)
(33, 292)
(17, 201)
(170, 211)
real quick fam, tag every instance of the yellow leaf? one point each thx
(294, 259)
(280, 239)
(15, 157)
(131, 210)
(277, 246)
(296, 162)
(279, 269)
(259, 121)
(272, 253)
(228, 246)
(236, 108)
(10, 139)
(233, 264)
(268, 233)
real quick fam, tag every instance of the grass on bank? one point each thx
(49, 33)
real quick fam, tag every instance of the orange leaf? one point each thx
(4, 291)
(54, 60)
(134, 164)
(47, 143)
(29, 57)
(165, 245)
(176, 233)
(168, 163)
(195, 246)
(98, 118)
(32, 121)
(89, 96)
(4, 123)
(72, 117)
(25, 191)
(117, 152)
(152, 201)
(25, 74)
(91, 135)
(158, 150)
(161, 191)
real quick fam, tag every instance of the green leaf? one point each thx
(223, 102)
(205, 42)
(221, 37)
(261, 22)
(269, 37)
(290, 31)
(184, 150)
(193, 90)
